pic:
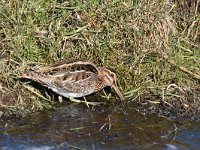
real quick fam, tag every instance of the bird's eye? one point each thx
(112, 75)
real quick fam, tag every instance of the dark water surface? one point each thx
(73, 126)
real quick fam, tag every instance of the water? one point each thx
(73, 126)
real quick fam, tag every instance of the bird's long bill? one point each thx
(118, 92)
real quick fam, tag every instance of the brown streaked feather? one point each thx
(76, 71)
(71, 67)
(76, 76)
(68, 77)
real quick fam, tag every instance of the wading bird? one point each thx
(74, 79)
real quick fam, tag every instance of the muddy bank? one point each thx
(171, 104)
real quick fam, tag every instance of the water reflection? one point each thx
(188, 135)
(105, 127)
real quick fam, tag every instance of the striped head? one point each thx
(110, 79)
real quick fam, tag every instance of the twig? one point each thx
(75, 147)
(109, 122)
(102, 126)
(194, 75)
(173, 63)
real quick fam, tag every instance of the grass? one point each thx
(152, 45)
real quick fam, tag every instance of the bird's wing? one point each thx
(65, 76)
(70, 82)
(63, 67)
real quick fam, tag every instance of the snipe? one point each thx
(74, 79)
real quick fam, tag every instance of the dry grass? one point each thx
(146, 42)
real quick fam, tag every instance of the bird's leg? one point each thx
(92, 103)
(75, 100)
(86, 102)
(60, 99)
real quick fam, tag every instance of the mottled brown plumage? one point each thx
(75, 79)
